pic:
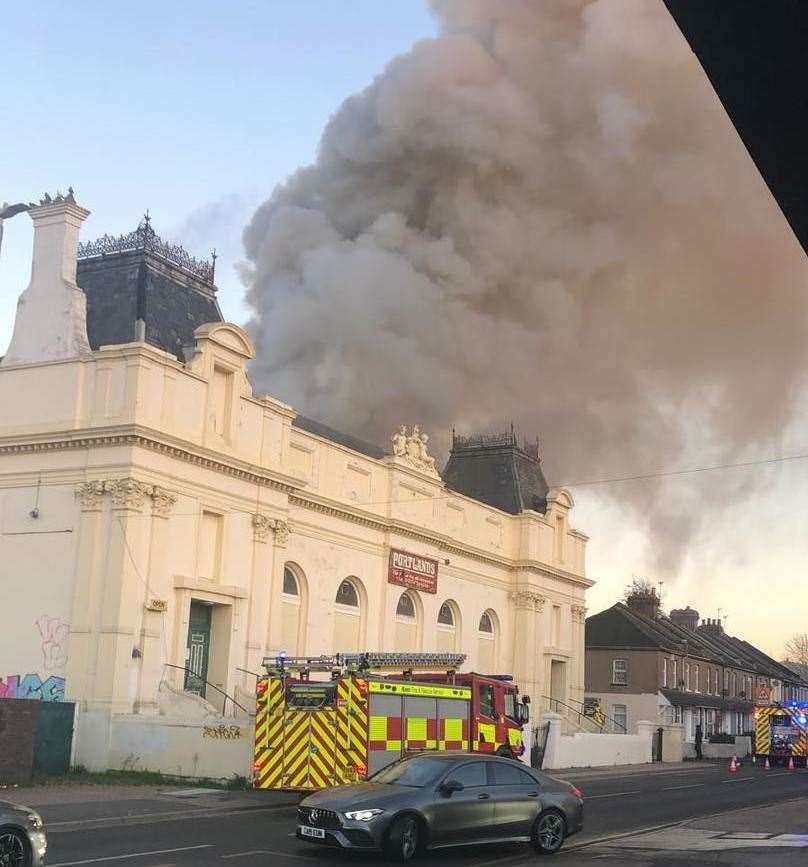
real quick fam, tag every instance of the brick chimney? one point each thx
(51, 319)
(687, 618)
(644, 601)
(712, 627)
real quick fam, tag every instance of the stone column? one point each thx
(259, 601)
(578, 686)
(82, 650)
(158, 591)
(281, 538)
(123, 593)
(527, 662)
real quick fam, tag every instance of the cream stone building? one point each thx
(164, 527)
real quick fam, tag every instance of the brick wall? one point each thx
(17, 724)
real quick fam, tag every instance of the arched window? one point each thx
(407, 616)
(448, 631)
(293, 610)
(446, 615)
(347, 595)
(405, 607)
(348, 617)
(290, 586)
(487, 650)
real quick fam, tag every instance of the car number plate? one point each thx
(312, 832)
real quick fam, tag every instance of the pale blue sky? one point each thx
(194, 110)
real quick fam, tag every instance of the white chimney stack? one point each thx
(51, 320)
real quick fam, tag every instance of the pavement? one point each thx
(693, 814)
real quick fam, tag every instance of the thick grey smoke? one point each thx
(541, 215)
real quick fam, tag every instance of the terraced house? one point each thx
(644, 665)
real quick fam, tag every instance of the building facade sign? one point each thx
(413, 571)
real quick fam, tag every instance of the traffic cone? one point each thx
(766, 766)
(791, 763)
(733, 768)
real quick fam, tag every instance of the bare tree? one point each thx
(796, 648)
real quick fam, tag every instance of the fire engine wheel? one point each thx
(403, 839)
(549, 832)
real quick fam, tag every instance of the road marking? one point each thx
(132, 855)
(270, 852)
(610, 795)
(740, 780)
(689, 786)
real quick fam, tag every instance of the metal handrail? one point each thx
(618, 727)
(220, 691)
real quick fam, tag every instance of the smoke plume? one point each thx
(542, 215)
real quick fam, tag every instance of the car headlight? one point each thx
(362, 815)
(35, 821)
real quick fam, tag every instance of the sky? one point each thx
(196, 111)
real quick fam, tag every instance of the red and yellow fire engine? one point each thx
(373, 709)
(781, 731)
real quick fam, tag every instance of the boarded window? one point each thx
(221, 400)
(210, 545)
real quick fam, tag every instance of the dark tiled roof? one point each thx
(124, 287)
(335, 436)
(622, 627)
(497, 471)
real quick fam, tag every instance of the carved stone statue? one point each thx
(413, 449)
(399, 441)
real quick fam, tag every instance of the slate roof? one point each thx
(498, 471)
(124, 287)
(621, 627)
(335, 436)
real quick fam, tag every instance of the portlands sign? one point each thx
(414, 571)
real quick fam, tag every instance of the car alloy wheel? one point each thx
(402, 839)
(12, 850)
(549, 833)
(409, 838)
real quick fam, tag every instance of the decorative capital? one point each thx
(413, 449)
(282, 531)
(90, 495)
(127, 493)
(162, 501)
(528, 600)
(578, 614)
(261, 524)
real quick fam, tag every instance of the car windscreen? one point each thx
(417, 772)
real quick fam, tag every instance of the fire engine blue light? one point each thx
(802, 719)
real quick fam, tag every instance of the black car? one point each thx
(22, 836)
(436, 800)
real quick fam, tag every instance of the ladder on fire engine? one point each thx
(342, 663)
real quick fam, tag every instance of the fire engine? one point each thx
(369, 710)
(781, 732)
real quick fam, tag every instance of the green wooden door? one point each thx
(53, 737)
(198, 648)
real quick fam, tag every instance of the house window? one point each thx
(405, 607)
(446, 615)
(290, 587)
(619, 672)
(620, 718)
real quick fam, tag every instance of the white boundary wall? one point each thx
(587, 750)
(216, 748)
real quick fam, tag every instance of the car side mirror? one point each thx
(449, 787)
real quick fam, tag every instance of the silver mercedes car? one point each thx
(437, 800)
(22, 836)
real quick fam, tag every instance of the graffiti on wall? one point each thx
(53, 632)
(32, 686)
(48, 684)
